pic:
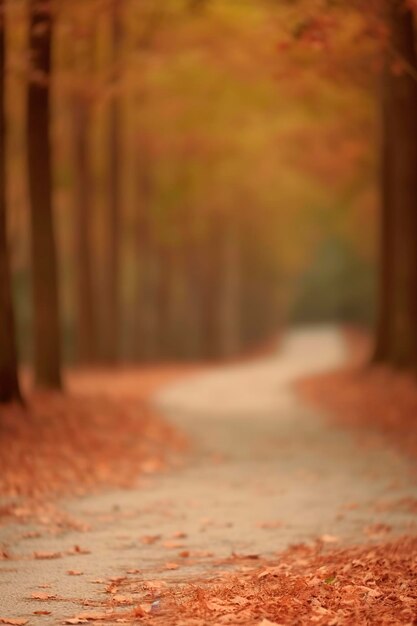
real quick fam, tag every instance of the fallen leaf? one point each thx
(79, 550)
(94, 616)
(171, 566)
(184, 554)
(74, 572)
(47, 555)
(119, 599)
(13, 622)
(149, 539)
(154, 584)
(42, 596)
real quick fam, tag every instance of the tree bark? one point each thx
(145, 317)
(398, 314)
(83, 214)
(9, 384)
(46, 331)
(229, 296)
(386, 232)
(113, 250)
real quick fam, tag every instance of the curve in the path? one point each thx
(265, 472)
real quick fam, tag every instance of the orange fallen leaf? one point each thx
(149, 539)
(79, 550)
(171, 566)
(184, 554)
(41, 612)
(74, 572)
(179, 535)
(119, 599)
(13, 622)
(42, 596)
(47, 555)
(94, 616)
(154, 584)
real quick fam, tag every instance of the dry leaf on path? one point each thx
(47, 555)
(79, 550)
(13, 621)
(179, 535)
(43, 596)
(148, 540)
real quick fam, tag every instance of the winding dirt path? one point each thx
(266, 471)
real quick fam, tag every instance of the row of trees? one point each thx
(205, 276)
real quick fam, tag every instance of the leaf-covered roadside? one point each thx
(366, 398)
(372, 584)
(104, 433)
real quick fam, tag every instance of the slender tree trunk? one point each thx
(145, 317)
(46, 331)
(386, 233)
(9, 384)
(230, 289)
(209, 286)
(113, 270)
(83, 214)
(401, 187)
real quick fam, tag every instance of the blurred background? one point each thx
(214, 173)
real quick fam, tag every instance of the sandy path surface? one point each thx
(265, 471)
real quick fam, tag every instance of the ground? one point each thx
(265, 470)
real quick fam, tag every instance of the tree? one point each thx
(397, 331)
(9, 384)
(86, 321)
(114, 218)
(46, 325)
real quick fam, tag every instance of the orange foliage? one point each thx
(372, 584)
(365, 398)
(105, 433)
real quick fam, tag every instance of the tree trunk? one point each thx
(113, 250)
(83, 214)
(386, 232)
(399, 320)
(9, 385)
(46, 332)
(229, 296)
(145, 316)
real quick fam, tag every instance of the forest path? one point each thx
(266, 471)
